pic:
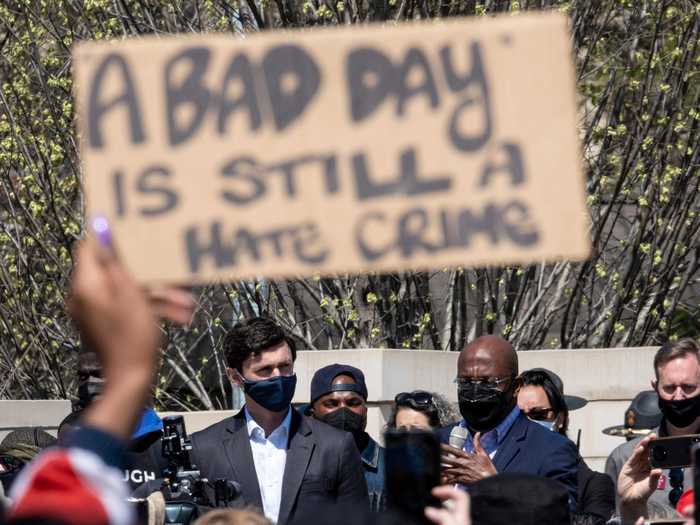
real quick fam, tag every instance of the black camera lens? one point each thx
(659, 453)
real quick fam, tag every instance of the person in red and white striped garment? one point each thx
(79, 482)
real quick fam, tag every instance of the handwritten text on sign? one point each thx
(336, 150)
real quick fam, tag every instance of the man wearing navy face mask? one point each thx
(287, 464)
(500, 438)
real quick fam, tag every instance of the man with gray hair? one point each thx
(677, 383)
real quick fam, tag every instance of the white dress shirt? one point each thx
(269, 457)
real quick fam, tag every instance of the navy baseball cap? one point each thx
(322, 382)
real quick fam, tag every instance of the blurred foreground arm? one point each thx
(81, 482)
(637, 482)
(114, 315)
(456, 507)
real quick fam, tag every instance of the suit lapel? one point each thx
(511, 444)
(240, 456)
(301, 446)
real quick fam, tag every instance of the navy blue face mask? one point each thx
(273, 394)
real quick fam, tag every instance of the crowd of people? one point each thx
(317, 463)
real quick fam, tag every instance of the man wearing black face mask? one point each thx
(338, 398)
(501, 438)
(286, 464)
(677, 383)
(90, 381)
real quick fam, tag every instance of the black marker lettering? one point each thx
(516, 222)
(198, 249)
(462, 139)
(148, 184)
(98, 109)
(191, 92)
(412, 228)
(415, 60)
(239, 70)
(243, 169)
(367, 252)
(285, 64)
(307, 236)
(513, 166)
(371, 78)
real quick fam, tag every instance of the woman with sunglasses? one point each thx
(421, 410)
(541, 398)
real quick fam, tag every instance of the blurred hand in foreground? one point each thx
(173, 304)
(119, 319)
(455, 510)
(637, 482)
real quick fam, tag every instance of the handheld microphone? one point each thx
(458, 437)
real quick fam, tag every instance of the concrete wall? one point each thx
(608, 378)
(46, 414)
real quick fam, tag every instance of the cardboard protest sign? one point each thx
(336, 150)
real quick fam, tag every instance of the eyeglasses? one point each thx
(419, 398)
(675, 477)
(492, 382)
(540, 414)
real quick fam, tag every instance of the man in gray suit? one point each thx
(287, 464)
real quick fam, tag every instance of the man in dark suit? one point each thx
(286, 464)
(500, 438)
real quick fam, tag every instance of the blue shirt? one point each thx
(491, 440)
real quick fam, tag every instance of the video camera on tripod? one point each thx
(184, 489)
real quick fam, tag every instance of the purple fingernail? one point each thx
(101, 228)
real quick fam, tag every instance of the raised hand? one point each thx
(465, 468)
(637, 481)
(455, 510)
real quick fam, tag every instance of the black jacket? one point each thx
(323, 465)
(596, 493)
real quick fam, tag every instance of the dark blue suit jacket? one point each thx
(529, 448)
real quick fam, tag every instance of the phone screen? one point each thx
(412, 471)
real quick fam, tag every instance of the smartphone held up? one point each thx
(412, 471)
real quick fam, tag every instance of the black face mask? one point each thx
(680, 413)
(347, 420)
(483, 407)
(89, 390)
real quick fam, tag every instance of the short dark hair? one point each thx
(554, 396)
(70, 421)
(253, 336)
(674, 349)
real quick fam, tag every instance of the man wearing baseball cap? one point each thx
(339, 398)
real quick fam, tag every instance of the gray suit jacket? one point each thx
(323, 464)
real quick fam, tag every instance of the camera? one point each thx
(186, 493)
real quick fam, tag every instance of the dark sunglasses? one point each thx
(422, 399)
(540, 414)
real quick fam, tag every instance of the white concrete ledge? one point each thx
(598, 374)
